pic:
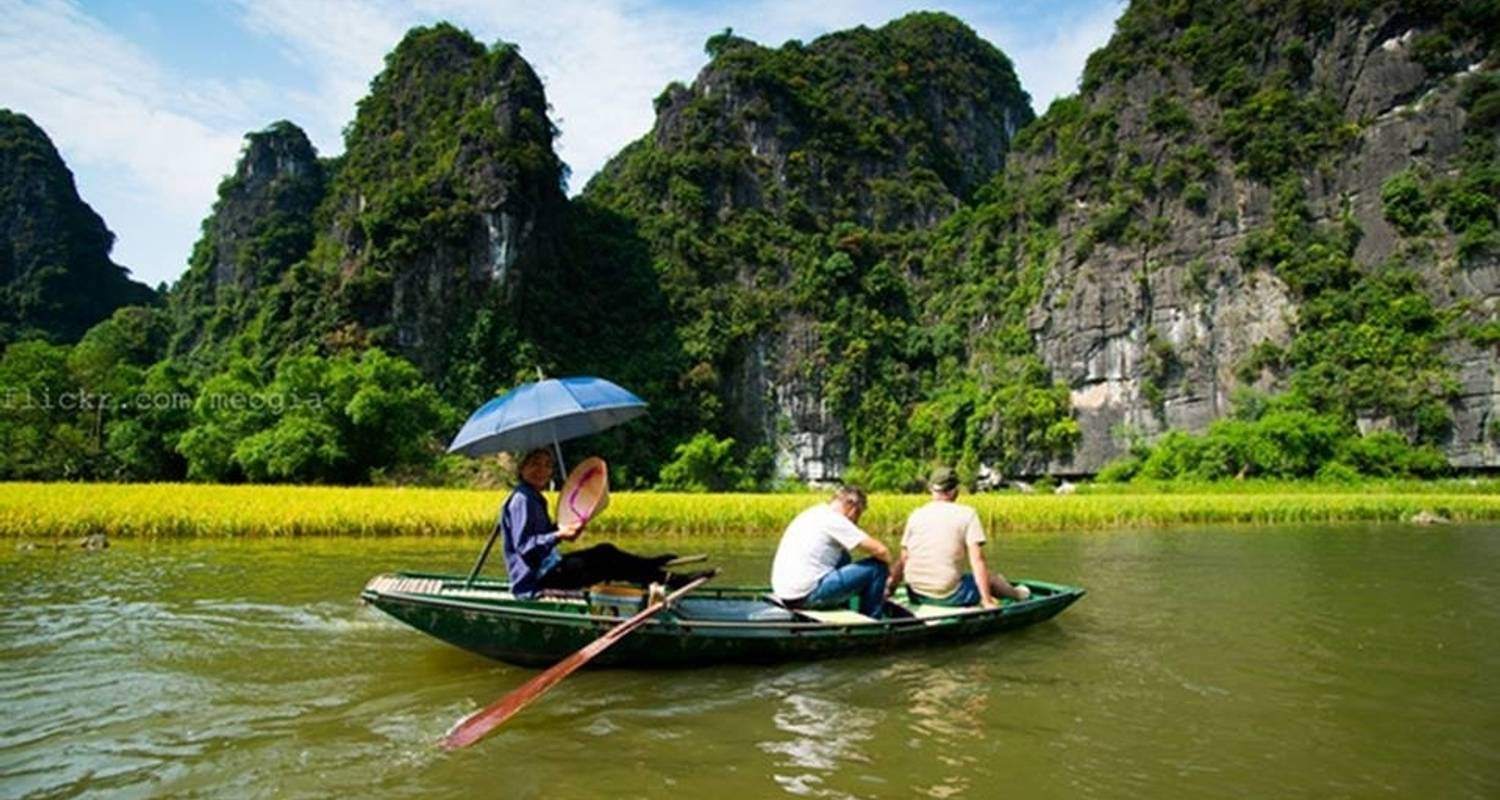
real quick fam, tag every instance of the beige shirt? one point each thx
(936, 543)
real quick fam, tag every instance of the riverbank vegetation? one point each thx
(60, 511)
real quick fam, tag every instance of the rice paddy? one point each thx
(60, 511)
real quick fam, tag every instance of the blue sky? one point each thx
(149, 101)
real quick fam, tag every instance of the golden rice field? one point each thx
(44, 511)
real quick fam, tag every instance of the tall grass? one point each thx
(63, 510)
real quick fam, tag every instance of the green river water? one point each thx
(1349, 661)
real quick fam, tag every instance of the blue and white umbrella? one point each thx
(544, 413)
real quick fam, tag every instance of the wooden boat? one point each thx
(711, 625)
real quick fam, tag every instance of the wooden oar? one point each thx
(481, 723)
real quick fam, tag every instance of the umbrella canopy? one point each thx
(545, 412)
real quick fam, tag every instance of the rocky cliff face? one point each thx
(418, 239)
(449, 193)
(772, 163)
(1220, 209)
(1162, 299)
(262, 224)
(829, 128)
(56, 277)
(863, 251)
(275, 189)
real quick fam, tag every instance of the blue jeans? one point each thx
(967, 594)
(865, 578)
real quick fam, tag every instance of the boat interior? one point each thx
(718, 604)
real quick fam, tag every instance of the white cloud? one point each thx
(1050, 62)
(111, 110)
(340, 45)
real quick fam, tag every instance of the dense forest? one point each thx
(1255, 243)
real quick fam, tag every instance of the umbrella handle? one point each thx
(556, 448)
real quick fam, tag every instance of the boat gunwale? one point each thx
(524, 610)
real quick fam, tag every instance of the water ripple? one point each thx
(1210, 663)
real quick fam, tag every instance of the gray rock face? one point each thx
(489, 215)
(811, 444)
(418, 238)
(965, 129)
(276, 185)
(940, 136)
(1151, 337)
(262, 223)
(1425, 135)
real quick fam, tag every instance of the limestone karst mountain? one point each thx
(56, 276)
(863, 253)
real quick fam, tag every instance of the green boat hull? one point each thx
(711, 626)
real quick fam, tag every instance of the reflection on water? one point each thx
(1228, 663)
(816, 735)
(948, 705)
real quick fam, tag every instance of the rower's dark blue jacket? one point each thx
(529, 539)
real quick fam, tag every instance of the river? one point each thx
(1347, 661)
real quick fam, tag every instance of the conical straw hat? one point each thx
(585, 494)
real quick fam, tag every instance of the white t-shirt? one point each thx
(811, 548)
(936, 541)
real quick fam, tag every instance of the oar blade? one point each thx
(483, 722)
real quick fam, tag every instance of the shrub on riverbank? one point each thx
(1281, 438)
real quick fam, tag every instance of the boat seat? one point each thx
(838, 616)
(830, 616)
(931, 611)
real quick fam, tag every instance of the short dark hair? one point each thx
(535, 452)
(852, 496)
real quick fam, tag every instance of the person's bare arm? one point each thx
(873, 546)
(898, 571)
(981, 570)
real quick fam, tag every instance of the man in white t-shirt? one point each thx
(813, 566)
(940, 538)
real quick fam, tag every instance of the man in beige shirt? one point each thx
(940, 538)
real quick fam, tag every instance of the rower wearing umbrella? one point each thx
(527, 419)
